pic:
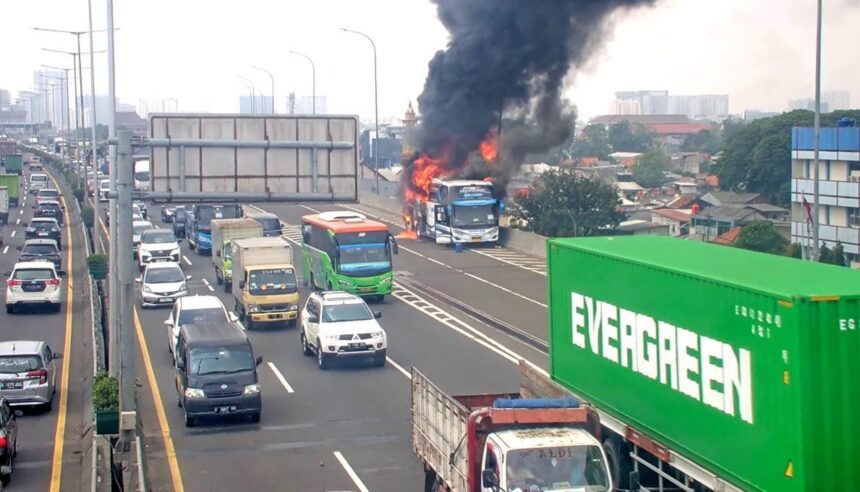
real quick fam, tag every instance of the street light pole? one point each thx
(313, 80)
(253, 90)
(272, 78)
(94, 158)
(68, 106)
(373, 148)
(817, 130)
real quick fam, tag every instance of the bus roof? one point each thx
(462, 182)
(344, 222)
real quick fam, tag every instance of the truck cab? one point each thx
(549, 458)
(265, 287)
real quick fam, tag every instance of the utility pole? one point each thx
(124, 190)
(117, 306)
(373, 148)
(94, 159)
(817, 130)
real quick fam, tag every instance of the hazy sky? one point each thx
(760, 52)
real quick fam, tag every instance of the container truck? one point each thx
(8, 147)
(710, 367)
(14, 164)
(12, 184)
(223, 231)
(507, 442)
(265, 289)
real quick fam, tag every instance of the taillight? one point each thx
(53, 282)
(41, 375)
(2, 439)
(14, 283)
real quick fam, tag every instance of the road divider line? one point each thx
(311, 209)
(280, 377)
(505, 289)
(399, 368)
(60, 432)
(21, 212)
(510, 262)
(349, 471)
(13, 234)
(5, 250)
(186, 260)
(17, 221)
(434, 260)
(169, 450)
(404, 248)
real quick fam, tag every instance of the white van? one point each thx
(38, 181)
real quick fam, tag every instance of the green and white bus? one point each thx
(346, 251)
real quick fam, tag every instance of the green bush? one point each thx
(98, 266)
(105, 393)
(87, 216)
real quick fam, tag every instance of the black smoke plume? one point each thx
(506, 57)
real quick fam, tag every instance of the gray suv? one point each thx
(28, 374)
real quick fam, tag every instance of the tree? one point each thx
(706, 141)
(650, 172)
(794, 250)
(593, 142)
(762, 237)
(757, 156)
(627, 137)
(563, 204)
(835, 256)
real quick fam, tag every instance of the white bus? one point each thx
(458, 211)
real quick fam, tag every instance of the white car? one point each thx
(161, 284)
(104, 189)
(35, 283)
(157, 245)
(194, 309)
(138, 227)
(338, 325)
(38, 181)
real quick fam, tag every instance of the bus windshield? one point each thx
(473, 215)
(364, 254)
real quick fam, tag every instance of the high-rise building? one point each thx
(258, 105)
(713, 107)
(649, 102)
(836, 99)
(839, 198)
(5, 100)
(52, 88)
(807, 104)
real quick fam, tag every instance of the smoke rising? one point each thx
(505, 57)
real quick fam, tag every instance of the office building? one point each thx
(839, 188)
(647, 102)
(836, 100)
(260, 104)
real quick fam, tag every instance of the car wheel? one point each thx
(5, 479)
(58, 308)
(379, 358)
(47, 407)
(10, 309)
(323, 360)
(255, 418)
(189, 420)
(306, 349)
(218, 279)
(248, 322)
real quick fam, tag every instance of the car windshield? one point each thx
(53, 207)
(14, 364)
(272, 281)
(346, 312)
(473, 215)
(179, 214)
(141, 176)
(158, 237)
(38, 177)
(49, 194)
(42, 224)
(202, 315)
(558, 468)
(163, 276)
(214, 360)
(33, 274)
(40, 249)
(140, 228)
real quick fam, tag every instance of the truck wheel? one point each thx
(618, 462)
(379, 358)
(248, 322)
(218, 278)
(228, 287)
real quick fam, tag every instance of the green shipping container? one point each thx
(14, 163)
(11, 181)
(746, 363)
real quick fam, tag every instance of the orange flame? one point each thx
(489, 148)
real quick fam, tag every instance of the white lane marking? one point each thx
(404, 248)
(505, 289)
(311, 209)
(186, 260)
(5, 250)
(446, 319)
(349, 471)
(281, 378)
(21, 212)
(18, 221)
(239, 323)
(13, 234)
(434, 260)
(529, 264)
(399, 368)
(156, 226)
(207, 284)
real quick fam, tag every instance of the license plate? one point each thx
(165, 299)
(12, 385)
(229, 409)
(366, 289)
(43, 233)
(276, 316)
(353, 346)
(476, 240)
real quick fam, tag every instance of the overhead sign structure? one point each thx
(253, 157)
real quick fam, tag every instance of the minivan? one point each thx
(216, 373)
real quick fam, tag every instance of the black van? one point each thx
(270, 222)
(216, 373)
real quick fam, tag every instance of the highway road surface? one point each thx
(53, 444)
(464, 319)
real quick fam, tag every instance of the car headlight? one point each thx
(147, 289)
(345, 282)
(144, 254)
(174, 252)
(386, 280)
(194, 394)
(252, 389)
(379, 335)
(252, 308)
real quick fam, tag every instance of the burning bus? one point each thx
(456, 211)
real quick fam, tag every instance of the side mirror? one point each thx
(180, 364)
(6, 274)
(233, 317)
(24, 224)
(188, 277)
(138, 280)
(168, 322)
(57, 355)
(490, 479)
(259, 359)
(313, 319)
(394, 247)
(377, 314)
(241, 285)
(61, 273)
(18, 248)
